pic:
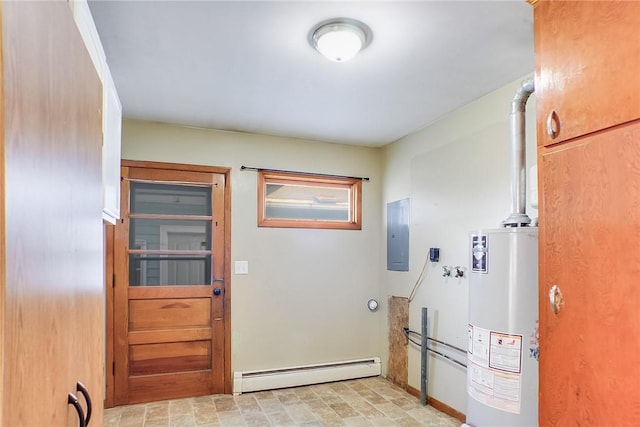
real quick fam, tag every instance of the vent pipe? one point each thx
(518, 217)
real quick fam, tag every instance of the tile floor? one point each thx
(363, 402)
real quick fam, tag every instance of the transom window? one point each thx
(296, 200)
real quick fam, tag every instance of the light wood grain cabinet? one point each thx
(588, 73)
(51, 250)
(587, 67)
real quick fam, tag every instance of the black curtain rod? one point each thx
(247, 168)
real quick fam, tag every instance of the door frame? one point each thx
(110, 398)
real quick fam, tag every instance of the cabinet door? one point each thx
(587, 66)
(590, 249)
(53, 310)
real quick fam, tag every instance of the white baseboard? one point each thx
(248, 381)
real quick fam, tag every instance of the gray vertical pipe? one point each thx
(518, 216)
(423, 353)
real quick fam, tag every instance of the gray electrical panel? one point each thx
(398, 235)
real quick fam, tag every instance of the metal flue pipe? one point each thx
(518, 216)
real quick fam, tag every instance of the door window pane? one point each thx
(169, 234)
(167, 199)
(169, 270)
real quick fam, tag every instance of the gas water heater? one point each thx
(502, 358)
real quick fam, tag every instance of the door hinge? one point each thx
(113, 368)
(113, 280)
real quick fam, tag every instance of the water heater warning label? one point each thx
(506, 352)
(479, 253)
(495, 366)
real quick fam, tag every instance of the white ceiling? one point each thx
(248, 66)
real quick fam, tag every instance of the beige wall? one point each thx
(456, 174)
(304, 299)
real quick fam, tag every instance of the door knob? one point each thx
(555, 299)
(217, 291)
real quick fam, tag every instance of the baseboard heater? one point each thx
(247, 381)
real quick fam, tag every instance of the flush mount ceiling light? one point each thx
(340, 39)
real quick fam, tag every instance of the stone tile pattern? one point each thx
(362, 402)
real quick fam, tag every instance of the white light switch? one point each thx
(242, 267)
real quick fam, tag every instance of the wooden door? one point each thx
(53, 307)
(587, 66)
(169, 301)
(590, 249)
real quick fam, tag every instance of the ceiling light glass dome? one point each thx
(340, 39)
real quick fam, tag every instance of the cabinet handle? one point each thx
(87, 398)
(555, 299)
(553, 125)
(73, 400)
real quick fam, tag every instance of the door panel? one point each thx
(589, 227)
(149, 359)
(171, 313)
(584, 50)
(197, 383)
(169, 247)
(51, 218)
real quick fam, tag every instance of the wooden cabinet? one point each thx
(587, 66)
(590, 249)
(51, 286)
(588, 72)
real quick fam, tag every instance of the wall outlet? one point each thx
(242, 267)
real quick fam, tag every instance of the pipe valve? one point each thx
(459, 271)
(446, 271)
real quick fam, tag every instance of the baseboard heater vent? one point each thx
(247, 381)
